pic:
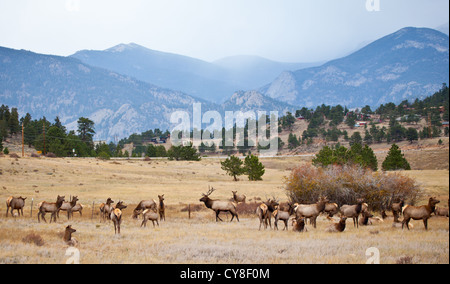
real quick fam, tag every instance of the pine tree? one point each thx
(254, 168)
(233, 167)
(395, 160)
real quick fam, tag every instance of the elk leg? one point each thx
(217, 216)
(7, 209)
(425, 223)
(406, 222)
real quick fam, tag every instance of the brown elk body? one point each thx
(264, 212)
(338, 227)
(298, 224)
(14, 203)
(419, 213)
(142, 206)
(161, 208)
(67, 206)
(219, 206)
(68, 239)
(353, 211)
(441, 212)
(283, 216)
(106, 209)
(331, 209)
(238, 198)
(311, 211)
(52, 208)
(397, 209)
(116, 216)
(151, 215)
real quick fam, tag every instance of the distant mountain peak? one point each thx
(123, 47)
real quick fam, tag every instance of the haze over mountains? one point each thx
(129, 88)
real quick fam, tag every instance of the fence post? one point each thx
(93, 203)
(189, 210)
(31, 208)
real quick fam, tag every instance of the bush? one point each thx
(6, 151)
(103, 156)
(33, 238)
(345, 184)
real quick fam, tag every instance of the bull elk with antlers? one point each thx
(219, 206)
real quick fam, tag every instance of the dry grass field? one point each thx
(199, 239)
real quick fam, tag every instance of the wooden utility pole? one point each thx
(429, 125)
(23, 145)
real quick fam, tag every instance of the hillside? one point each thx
(410, 63)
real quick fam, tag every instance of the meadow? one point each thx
(198, 239)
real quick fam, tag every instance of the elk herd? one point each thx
(298, 214)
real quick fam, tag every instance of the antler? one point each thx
(210, 191)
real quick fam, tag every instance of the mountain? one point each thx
(214, 81)
(51, 86)
(410, 63)
(254, 101)
(444, 28)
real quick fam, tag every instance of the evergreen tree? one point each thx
(233, 167)
(412, 134)
(254, 168)
(395, 160)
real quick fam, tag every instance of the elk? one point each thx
(150, 214)
(15, 204)
(238, 197)
(67, 206)
(161, 208)
(331, 209)
(298, 224)
(441, 212)
(353, 211)
(419, 213)
(338, 227)
(264, 212)
(143, 205)
(68, 239)
(365, 220)
(116, 216)
(311, 211)
(397, 209)
(284, 216)
(105, 209)
(45, 207)
(219, 206)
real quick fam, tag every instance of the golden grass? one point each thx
(199, 239)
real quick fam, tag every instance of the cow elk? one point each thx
(419, 213)
(311, 211)
(106, 209)
(219, 206)
(67, 206)
(264, 212)
(283, 216)
(353, 211)
(397, 209)
(161, 208)
(298, 224)
(150, 214)
(116, 216)
(14, 203)
(338, 227)
(53, 208)
(142, 206)
(238, 198)
(68, 239)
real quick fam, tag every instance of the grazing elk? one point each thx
(238, 198)
(353, 211)
(331, 209)
(161, 208)
(68, 239)
(116, 216)
(264, 212)
(283, 216)
(311, 211)
(338, 227)
(15, 204)
(419, 213)
(53, 208)
(67, 206)
(219, 206)
(144, 205)
(150, 214)
(397, 209)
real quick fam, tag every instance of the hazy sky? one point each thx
(282, 30)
